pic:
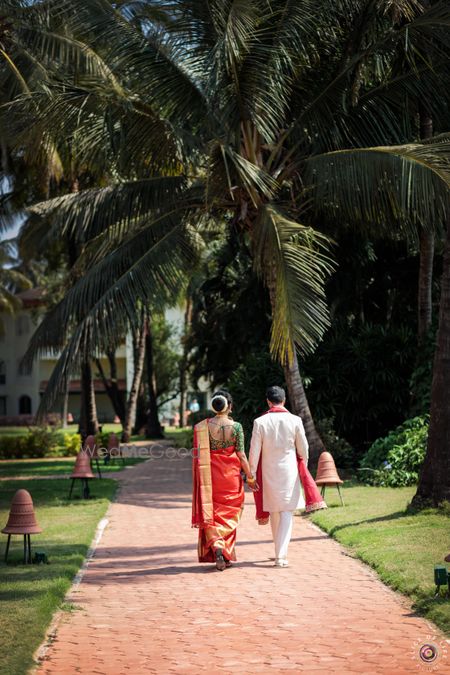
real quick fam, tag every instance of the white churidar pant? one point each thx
(281, 524)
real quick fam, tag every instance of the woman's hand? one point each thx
(252, 484)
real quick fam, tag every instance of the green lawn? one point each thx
(61, 465)
(30, 594)
(402, 547)
(71, 429)
(181, 438)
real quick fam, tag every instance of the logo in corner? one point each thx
(430, 653)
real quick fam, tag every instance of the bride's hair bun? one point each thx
(219, 402)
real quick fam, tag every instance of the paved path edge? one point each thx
(50, 634)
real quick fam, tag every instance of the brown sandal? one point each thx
(220, 561)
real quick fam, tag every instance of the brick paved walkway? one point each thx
(146, 606)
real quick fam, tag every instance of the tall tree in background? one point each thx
(139, 338)
(111, 385)
(11, 279)
(185, 356)
(88, 411)
(434, 479)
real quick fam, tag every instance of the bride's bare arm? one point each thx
(251, 480)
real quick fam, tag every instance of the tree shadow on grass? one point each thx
(17, 594)
(49, 492)
(19, 581)
(391, 516)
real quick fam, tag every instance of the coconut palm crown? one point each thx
(267, 120)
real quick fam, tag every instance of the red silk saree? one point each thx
(218, 493)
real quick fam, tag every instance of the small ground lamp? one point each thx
(90, 447)
(327, 474)
(22, 520)
(82, 471)
(442, 577)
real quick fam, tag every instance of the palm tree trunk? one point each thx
(184, 358)
(65, 407)
(88, 413)
(424, 297)
(424, 304)
(153, 428)
(141, 410)
(297, 395)
(434, 480)
(112, 386)
(300, 406)
(131, 406)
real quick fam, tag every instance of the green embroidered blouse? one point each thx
(236, 438)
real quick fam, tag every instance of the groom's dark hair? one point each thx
(276, 394)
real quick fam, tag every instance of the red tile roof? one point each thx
(32, 297)
(75, 386)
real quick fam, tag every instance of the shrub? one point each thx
(102, 439)
(360, 375)
(11, 446)
(39, 442)
(395, 460)
(248, 385)
(71, 444)
(342, 451)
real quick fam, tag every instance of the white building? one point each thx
(21, 389)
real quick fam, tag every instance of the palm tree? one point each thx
(243, 113)
(434, 479)
(11, 279)
(139, 339)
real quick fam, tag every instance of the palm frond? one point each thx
(408, 185)
(294, 262)
(424, 43)
(85, 214)
(147, 269)
(255, 179)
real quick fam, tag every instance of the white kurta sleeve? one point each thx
(255, 448)
(301, 443)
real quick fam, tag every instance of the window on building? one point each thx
(22, 325)
(23, 369)
(2, 405)
(24, 405)
(2, 372)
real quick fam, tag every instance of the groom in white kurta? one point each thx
(279, 437)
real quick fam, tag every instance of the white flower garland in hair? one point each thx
(222, 398)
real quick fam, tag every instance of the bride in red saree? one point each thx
(218, 488)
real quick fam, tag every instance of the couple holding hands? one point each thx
(276, 472)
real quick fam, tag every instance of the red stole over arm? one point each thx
(313, 498)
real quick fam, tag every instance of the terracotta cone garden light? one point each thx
(114, 449)
(327, 474)
(90, 447)
(82, 471)
(22, 520)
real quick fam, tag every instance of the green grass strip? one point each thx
(53, 467)
(401, 546)
(30, 594)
